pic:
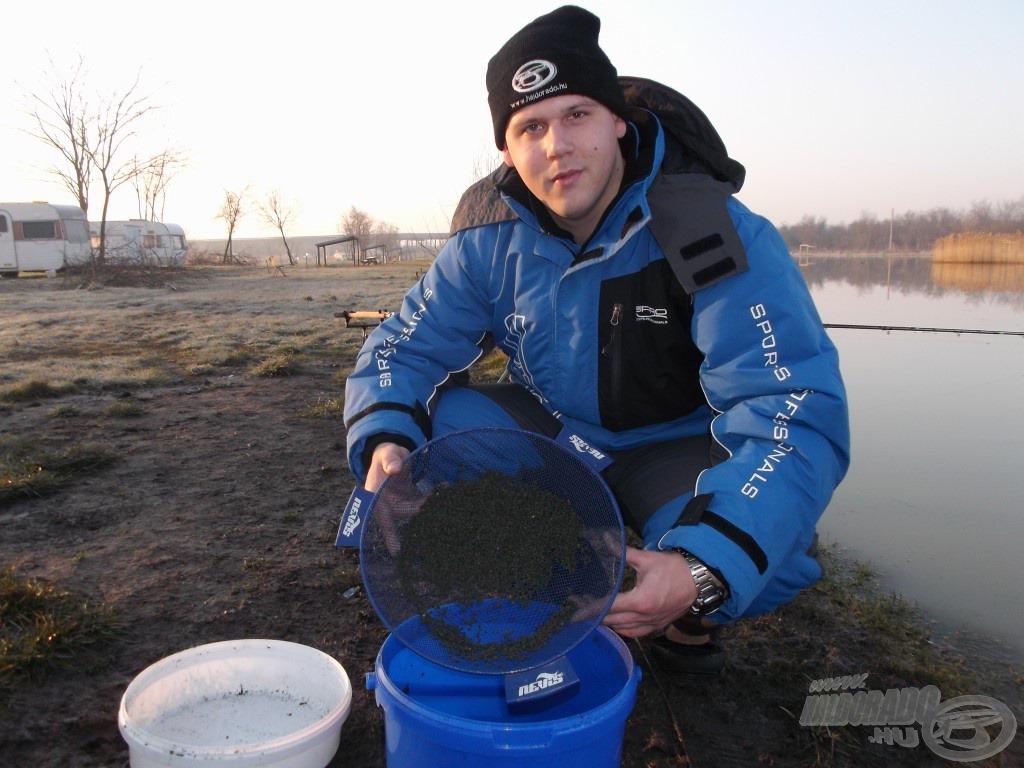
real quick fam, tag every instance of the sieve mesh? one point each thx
(492, 550)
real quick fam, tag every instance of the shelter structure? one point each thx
(321, 248)
(375, 254)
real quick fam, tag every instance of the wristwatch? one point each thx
(711, 592)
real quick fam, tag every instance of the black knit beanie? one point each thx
(554, 55)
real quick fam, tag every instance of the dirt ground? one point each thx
(217, 522)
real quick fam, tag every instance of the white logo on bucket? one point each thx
(544, 680)
(352, 521)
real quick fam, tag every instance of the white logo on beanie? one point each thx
(533, 75)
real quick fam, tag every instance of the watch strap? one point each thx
(711, 593)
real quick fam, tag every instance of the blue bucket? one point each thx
(435, 716)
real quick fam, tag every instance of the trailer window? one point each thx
(3, 223)
(39, 230)
(77, 231)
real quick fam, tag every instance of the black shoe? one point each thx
(689, 663)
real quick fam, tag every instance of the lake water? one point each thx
(933, 497)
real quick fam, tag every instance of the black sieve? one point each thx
(493, 550)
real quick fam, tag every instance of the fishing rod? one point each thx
(922, 329)
(374, 318)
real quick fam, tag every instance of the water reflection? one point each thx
(932, 497)
(975, 277)
(905, 275)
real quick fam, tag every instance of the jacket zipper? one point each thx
(613, 350)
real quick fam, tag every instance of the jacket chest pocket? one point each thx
(648, 365)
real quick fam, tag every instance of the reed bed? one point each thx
(980, 248)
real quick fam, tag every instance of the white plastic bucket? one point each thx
(265, 703)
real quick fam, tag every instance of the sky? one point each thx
(837, 110)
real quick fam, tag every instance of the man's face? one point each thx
(566, 150)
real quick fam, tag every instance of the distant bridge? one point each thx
(430, 241)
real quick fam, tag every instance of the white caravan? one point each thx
(136, 241)
(40, 237)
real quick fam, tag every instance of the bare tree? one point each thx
(152, 179)
(277, 214)
(63, 122)
(369, 232)
(114, 125)
(357, 223)
(92, 138)
(231, 211)
(387, 236)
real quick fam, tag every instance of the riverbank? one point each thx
(214, 401)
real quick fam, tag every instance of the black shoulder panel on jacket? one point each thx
(482, 204)
(688, 199)
(692, 225)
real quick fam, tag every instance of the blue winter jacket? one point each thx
(609, 341)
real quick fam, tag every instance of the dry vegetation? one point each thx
(981, 248)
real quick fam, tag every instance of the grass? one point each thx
(344, 578)
(900, 641)
(28, 468)
(219, 321)
(44, 629)
(125, 409)
(33, 389)
(843, 625)
(256, 571)
(325, 409)
(882, 630)
(257, 564)
(64, 411)
(277, 365)
(489, 368)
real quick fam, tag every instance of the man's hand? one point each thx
(664, 591)
(387, 460)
